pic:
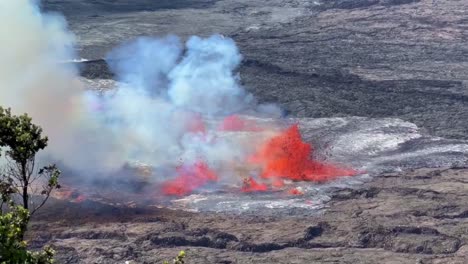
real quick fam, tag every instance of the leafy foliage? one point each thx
(12, 247)
(180, 259)
(22, 140)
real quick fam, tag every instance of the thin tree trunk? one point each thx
(25, 186)
(25, 197)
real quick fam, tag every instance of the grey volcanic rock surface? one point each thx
(413, 217)
(322, 58)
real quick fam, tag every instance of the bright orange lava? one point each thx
(250, 185)
(283, 157)
(70, 194)
(196, 124)
(287, 156)
(236, 123)
(295, 191)
(189, 179)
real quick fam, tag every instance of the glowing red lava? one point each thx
(287, 156)
(295, 191)
(70, 194)
(80, 198)
(189, 179)
(250, 185)
(236, 123)
(196, 124)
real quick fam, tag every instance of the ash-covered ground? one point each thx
(377, 84)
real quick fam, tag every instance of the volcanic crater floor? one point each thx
(416, 216)
(334, 58)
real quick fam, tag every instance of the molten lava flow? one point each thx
(236, 123)
(250, 185)
(196, 124)
(80, 198)
(189, 179)
(69, 194)
(295, 191)
(286, 156)
(278, 183)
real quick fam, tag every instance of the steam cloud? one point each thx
(158, 114)
(31, 78)
(170, 109)
(168, 101)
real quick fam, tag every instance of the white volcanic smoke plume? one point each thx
(164, 92)
(35, 78)
(32, 79)
(159, 111)
(168, 110)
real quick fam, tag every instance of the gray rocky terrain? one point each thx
(417, 216)
(377, 59)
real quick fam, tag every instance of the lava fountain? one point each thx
(279, 157)
(177, 107)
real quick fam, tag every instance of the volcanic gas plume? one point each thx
(178, 108)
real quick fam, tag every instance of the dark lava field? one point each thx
(418, 216)
(376, 59)
(321, 58)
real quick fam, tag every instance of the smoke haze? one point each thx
(175, 107)
(157, 115)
